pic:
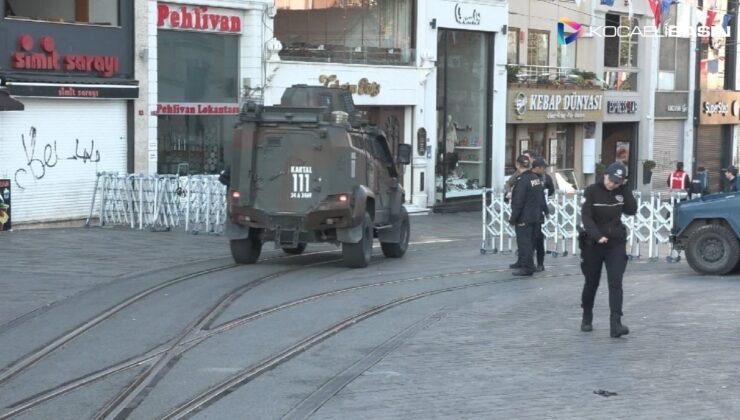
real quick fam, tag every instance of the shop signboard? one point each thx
(196, 109)
(673, 105)
(5, 221)
(619, 107)
(75, 91)
(43, 55)
(549, 106)
(719, 107)
(198, 18)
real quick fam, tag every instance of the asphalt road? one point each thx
(109, 323)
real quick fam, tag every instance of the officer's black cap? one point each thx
(732, 169)
(617, 173)
(540, 163)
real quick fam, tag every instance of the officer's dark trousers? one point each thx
(525, 246)
(539, 244)
(614, 257)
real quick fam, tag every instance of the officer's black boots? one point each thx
(522, 273)
(617, 329)
(588, 317)
(515, 266)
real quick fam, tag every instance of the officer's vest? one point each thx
(678, 179)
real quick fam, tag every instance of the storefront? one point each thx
(468, 48)
(718, 115)
(620, 131)
(197, 87)
(72, 69)
(669, 140)
(553, 124)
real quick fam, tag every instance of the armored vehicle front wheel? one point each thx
(396, 250)
(713, 249)
(247, 251)
(297, 250)
(358, 255)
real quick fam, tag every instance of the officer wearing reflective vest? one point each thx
(603, 243)
(679, 180)
(527, 199)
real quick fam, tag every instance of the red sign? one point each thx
(197, 109)
(50, 59)
(197, 18)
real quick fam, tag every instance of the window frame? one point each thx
(118, 23)
(517, 52)
(538, 32)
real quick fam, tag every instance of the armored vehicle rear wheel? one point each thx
(247, 251)
(396, 250)
(358, 255)
(297, 250)
(713, 249)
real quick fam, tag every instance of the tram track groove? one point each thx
(184, 345)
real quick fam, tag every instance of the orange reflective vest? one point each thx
(678, 180)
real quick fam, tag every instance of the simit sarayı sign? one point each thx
(49, 59)
(198, 18)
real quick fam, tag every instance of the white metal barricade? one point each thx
(159, 202)
(650, 228)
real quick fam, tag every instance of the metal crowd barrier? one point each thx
(646, 231)
(196, 203)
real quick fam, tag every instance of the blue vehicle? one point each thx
(707, 229)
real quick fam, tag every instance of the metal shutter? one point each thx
(667, 150)
(709, 153)
(53, 173)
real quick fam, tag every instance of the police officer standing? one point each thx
(538, 167)
(604, 243)
(526, 211)
(679, 180)
(734, 180)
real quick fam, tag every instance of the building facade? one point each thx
(202, 57)
(71, 64)
(430, 73)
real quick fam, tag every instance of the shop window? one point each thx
(350, 31)
(196, 140)
(536, 143)
(463, 114)
(538, 48)
(713, 53)
(563, 147)
(95, 12)
(512, 39)
(194, 67)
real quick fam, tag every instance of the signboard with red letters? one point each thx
(197, 109)
(47, 58)
(198, 18)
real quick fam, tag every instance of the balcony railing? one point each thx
(358, 55)
(545, 75)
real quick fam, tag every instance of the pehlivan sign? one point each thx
(543, 106)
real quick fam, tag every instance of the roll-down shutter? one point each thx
(53, 150)
(709, 153)
(667, 150)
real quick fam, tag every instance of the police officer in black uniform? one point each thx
(603, 243)
(526, 210)
(538, 167)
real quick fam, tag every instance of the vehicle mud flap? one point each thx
(235, 231)
(351, 235)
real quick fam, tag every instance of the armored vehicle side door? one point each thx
(387, 180)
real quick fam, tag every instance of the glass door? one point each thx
(463, 112)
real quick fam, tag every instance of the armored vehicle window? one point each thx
(357, 142)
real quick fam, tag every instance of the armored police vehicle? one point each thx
(708, 229)
(311, 170)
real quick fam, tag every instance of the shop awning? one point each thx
(9, 104)
(64, 87)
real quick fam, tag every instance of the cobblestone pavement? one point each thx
(519, 353)
(514, 352)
